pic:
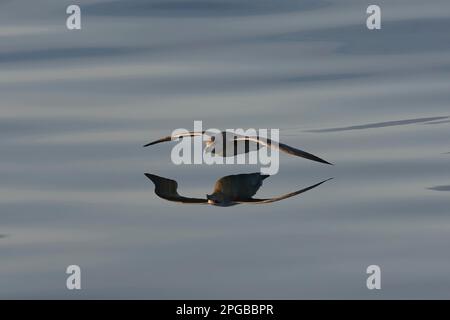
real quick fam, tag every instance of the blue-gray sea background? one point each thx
(77, 106)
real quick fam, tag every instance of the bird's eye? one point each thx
(213, 138)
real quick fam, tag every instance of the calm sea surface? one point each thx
(77, 106)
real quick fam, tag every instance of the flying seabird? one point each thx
(230, 141)
(228, 191)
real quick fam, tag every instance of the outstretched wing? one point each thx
(285, 196)
(283, 147)
(167, 189)
(174, 137)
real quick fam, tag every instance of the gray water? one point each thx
(77, 106)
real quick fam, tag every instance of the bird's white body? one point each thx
(229, 147)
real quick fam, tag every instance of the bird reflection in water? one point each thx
(228, 191)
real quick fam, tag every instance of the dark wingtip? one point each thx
(321, 182)
(315, 158)
(149, 175)
(322, 161)
(158, 141)
(152, 177)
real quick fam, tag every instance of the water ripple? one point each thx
(379, 124)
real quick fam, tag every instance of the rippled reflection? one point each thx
(440, 188)
(385, 124)
(228, 191)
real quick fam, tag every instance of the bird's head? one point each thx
(210, 145)
(218, 199)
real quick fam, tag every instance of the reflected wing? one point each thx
(167, 189)
(285, 196)
(174, 137)
(283, 147)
